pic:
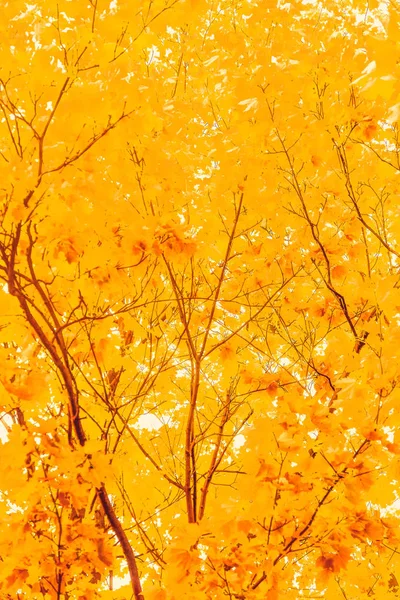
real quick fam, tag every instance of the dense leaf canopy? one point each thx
(199, 299)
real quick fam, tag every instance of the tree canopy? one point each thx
(199, 299)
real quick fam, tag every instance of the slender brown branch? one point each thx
(123, 540)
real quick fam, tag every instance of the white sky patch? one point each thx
(239, 441)
(150, 422)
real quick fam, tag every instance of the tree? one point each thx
(199, 266)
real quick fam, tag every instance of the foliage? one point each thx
(199, 267)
